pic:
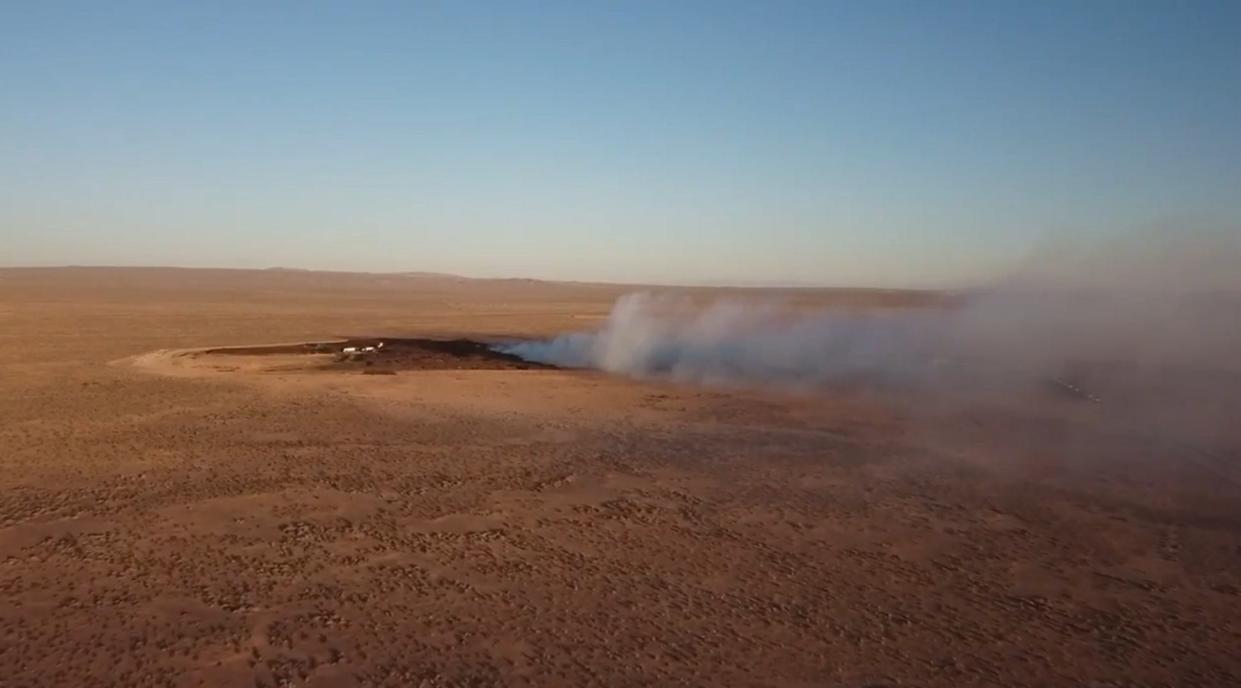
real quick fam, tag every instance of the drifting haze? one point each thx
(1153, 328)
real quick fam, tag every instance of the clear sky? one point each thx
(852, 143)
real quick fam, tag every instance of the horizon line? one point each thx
(757, 284)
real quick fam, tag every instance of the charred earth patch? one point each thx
(379, 356)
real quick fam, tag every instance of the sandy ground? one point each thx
(173, 520)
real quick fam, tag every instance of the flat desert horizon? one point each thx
(201, 486)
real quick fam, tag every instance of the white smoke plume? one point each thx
(1154, 328)
(744, 342)
(1159, 303)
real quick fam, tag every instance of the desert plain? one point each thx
(173, 513)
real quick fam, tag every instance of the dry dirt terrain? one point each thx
(172, 516)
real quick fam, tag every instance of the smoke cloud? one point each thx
(745, 343)
(1161, 303)
(1154, 326)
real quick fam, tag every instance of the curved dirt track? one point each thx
(254, 524)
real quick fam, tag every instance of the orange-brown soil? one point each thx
(174, 514)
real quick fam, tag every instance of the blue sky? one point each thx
(859, 143)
